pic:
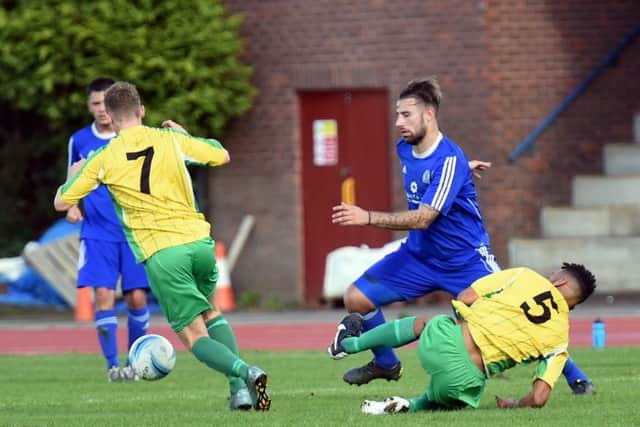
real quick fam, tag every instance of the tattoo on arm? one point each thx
(418, 219)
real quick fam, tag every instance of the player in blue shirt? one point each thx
(104, 252)
(447, 247)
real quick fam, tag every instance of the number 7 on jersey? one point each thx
(147, 153)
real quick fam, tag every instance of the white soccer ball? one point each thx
(152, 357)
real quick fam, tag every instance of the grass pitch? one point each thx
(306, 388)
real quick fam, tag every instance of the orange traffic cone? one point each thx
(84, 305)
(224, 292)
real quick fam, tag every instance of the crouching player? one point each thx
(512, 317)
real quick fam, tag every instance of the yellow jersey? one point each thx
(145, 171)
(519, 317)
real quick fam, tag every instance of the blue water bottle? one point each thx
(599, 334)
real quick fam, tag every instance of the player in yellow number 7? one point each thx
(507, 318)
(144, 170)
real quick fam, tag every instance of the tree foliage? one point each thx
(184, 57)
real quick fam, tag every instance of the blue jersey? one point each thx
(100, 220)
(441, 179)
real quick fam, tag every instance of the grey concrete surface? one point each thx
(614, 260)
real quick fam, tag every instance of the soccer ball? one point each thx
(152, 357)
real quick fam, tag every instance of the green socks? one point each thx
(391, 334)
(419, 403)
(220, 330)
(218, 356)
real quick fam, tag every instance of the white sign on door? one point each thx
(325, 142)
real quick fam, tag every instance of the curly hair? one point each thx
(586, 280)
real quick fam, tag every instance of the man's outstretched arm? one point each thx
(58, 203)
(419, 219)
(478, 166)
(536, 398)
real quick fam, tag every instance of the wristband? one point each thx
(369, 223)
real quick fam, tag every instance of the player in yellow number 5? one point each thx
(144, 170)
(512, 317)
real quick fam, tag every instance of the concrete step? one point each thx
(603, 221)
(614, 260)
(621, 159)
(592, 191)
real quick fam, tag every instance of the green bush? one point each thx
(183, 56)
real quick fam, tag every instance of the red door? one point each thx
(345, 154)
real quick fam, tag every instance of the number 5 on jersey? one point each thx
(540, 300)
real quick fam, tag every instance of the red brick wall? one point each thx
(539, 52)
(503, 66)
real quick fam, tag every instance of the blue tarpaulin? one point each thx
(25, 287)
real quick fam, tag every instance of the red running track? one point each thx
(621, 331)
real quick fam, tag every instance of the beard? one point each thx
(417, 137)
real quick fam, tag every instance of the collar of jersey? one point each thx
(430, 150)
(132, 129)
(97, 133)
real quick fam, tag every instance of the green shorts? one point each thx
(455, 380)
(183, 278)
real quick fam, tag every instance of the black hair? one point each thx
(100, 84)
(426, 90)
(586, 279)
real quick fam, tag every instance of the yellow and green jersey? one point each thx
(144, 169)
(519, 317)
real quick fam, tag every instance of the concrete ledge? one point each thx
(614, 260)
(603, 221)
(591, 191)
(621, 159)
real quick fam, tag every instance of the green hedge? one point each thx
(185, 58)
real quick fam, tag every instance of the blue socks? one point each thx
(138, 323)
(385, 357)
(107, 327)
(572, 373)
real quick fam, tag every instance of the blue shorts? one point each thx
(401, 276)
(101, 262)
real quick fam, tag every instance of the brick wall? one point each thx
(503, 66)
(539, 52)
